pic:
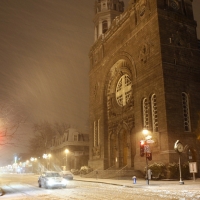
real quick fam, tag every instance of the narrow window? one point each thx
(95, 134)
(186, 112)
(154, 113)
(97, 32)
(98, 132)
(75, 137)
(145, 113)
(104, 26)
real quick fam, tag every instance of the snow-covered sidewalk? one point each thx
(163, 188)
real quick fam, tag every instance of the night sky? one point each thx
(44, 64)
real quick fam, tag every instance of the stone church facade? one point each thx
(144, 74)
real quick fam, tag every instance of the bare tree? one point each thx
(60, 128)
(10, 120)
(44, 133)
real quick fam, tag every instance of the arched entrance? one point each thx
(119, 149)
(123, 149)
(113, 150)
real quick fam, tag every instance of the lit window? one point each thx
(186, 112)
(154, 113)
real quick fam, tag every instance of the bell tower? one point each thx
(105, 12)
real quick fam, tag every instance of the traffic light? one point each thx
(142, 143)
(149, 156)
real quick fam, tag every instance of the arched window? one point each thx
(145, 113)
(186, 112)
(154, 113)
(97, 32)
(123, 90)
(104, 26)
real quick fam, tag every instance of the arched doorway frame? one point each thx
(119, 146)
(126, 65)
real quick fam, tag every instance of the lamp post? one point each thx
(66, 152)
(146, 151)
(178, 147)
(47, 157)
(49, 164)
(32, 161)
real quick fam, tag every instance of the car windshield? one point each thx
(66, 172)
(52, 175)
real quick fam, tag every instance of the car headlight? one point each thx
(64, 181)
(50, 182)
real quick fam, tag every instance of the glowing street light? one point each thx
(47, 156)
(66, 151)
(145, 150)
(145, 131)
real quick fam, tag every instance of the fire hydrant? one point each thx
(134, 179)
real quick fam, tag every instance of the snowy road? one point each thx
(24, 187)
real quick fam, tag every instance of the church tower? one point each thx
(144, 74)
(105, 12)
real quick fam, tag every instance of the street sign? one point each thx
(147, 149)
(150, 141)
(193, 167)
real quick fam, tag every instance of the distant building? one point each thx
(144, 74)
(77, 146)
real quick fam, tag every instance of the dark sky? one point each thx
(44, 65)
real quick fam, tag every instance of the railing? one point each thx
(92, 172)
(112, 173)
(110, 167)
(120, 172)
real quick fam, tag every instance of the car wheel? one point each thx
(64, 186)
(46, 187)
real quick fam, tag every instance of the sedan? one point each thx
(67, 175)
(51, 179)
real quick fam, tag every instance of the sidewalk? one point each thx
(141, 183)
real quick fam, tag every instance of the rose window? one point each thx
(123, 90)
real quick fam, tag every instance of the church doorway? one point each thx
(118, 149)
(123, 149)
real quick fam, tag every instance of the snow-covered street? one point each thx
(25, 187)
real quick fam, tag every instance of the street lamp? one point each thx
(47, 156)
(66, 152)
(145, 150)
(178, 147)
(145, 131)
(32, 161)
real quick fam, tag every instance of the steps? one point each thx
(112, 173)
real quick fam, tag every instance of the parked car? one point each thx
(50, 179)
(67, 175)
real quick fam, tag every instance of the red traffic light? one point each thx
(149, 156)
(142, 144)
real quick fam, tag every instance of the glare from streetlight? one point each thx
(145, 131)
(44, 156)
(148, 137)
(66, 151)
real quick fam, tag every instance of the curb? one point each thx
(105, 183)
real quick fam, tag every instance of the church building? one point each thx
(144, 74)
